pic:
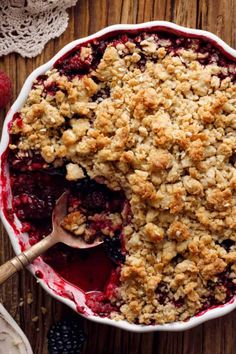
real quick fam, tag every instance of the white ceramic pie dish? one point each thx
(51, 282)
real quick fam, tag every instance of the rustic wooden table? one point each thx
(214, 337)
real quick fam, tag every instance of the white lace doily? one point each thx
(26, 26)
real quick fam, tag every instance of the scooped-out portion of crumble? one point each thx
(151, 117)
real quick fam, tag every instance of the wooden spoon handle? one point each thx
(25, 258)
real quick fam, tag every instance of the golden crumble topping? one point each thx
(164, 134)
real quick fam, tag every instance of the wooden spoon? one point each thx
(57, 235)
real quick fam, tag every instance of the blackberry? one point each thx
(162, 292)
(101, 94)
(52, 88)
(96, 197)
(227, 244)
(95, 200)
(66, 337)
(232, 159)
(113, 248)
(29, 206)
(177, 259)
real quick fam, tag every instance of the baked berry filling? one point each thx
(79, 63)
(140, 128)
(35, 191)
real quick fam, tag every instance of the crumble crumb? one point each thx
(35, 319)
(44, 310)
(74, 172)
(29, 298)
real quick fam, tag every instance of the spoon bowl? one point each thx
(57, 235)
(60, 234)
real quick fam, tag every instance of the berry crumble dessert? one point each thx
(141, 129)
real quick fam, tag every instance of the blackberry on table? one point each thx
(66, 337)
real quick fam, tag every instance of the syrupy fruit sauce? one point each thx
(37, 185)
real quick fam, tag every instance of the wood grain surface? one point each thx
(214, 337)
